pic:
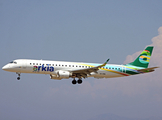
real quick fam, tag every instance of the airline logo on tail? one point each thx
(145, 57)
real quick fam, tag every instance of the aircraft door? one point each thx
(24, 64)
(124, 69)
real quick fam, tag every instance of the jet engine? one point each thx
(61, 75)
(64, 74)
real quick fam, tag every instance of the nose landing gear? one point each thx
(18, 78)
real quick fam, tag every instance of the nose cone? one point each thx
(6, 67)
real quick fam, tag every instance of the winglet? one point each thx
(105, 63)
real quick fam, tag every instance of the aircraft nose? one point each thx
(5, 67)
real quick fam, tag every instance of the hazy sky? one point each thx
(88, 31)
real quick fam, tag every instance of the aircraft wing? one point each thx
(84, 72)
(147, 69)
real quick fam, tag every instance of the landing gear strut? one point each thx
(18, 78)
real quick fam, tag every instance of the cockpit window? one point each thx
(13, 62)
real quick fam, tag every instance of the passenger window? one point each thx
(56, 64)
(40, 64)
(65, 65)
(62, 65)
(37, 63)
(73, 65)
(52, 64)
(30, 63)
(69, 65)
(33, 63)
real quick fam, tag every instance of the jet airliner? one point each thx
(64, 70)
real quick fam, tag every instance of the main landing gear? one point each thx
(79, 81)
(18, 78)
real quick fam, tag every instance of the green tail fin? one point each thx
(144, 58)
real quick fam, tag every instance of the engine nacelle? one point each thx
(64, 74)
(55, 77)
(61, 75)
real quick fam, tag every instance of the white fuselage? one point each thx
(52, 68)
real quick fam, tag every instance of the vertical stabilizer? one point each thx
(144, 58)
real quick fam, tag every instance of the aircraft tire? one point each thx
(79, 81)
(74, 82)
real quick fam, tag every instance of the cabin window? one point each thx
(62, 65)
(37, 64)
(33, 63)
(73, 65)
(69, 65)
(59, 65)
(30, 63)
(65, 65)
(76, 66)
(40, 64)
(56, 64)
(82, 66)
(52, 64)
(79, 66)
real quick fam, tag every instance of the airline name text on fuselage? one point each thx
(43, 68)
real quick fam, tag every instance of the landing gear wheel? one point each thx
(74, 82)
(79, 81)
(18, 78)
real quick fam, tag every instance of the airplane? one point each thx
(64, 70)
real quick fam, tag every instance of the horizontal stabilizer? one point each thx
(147, 69)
